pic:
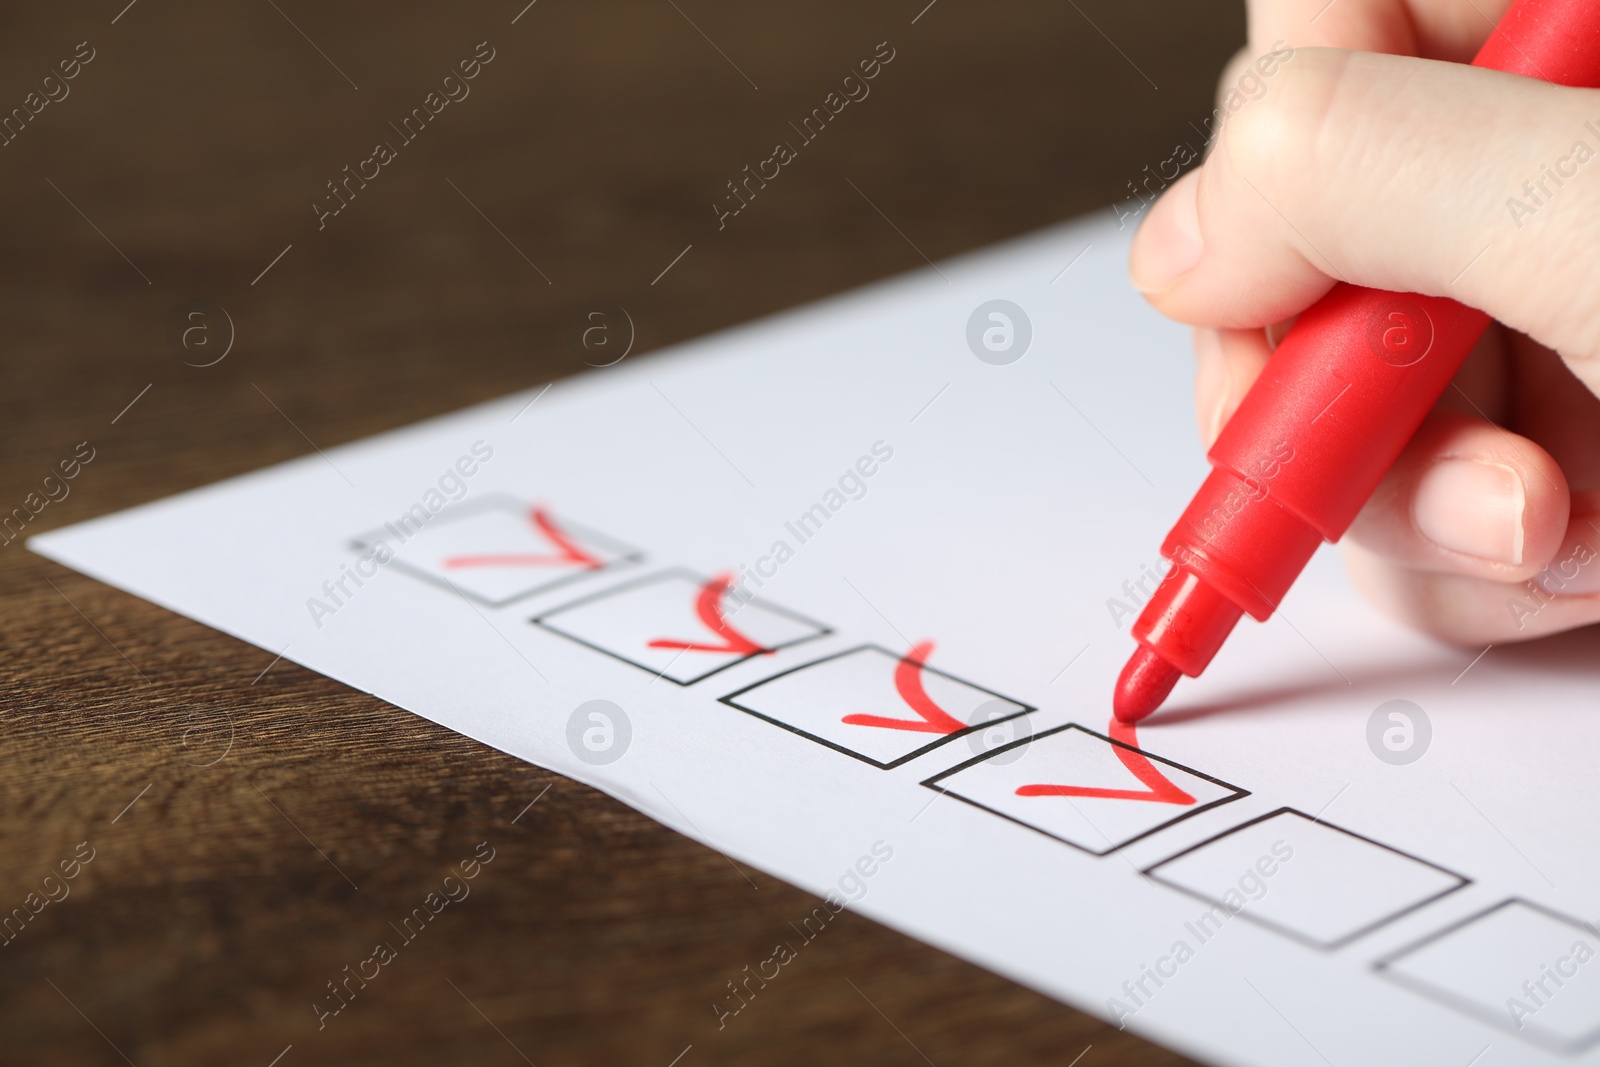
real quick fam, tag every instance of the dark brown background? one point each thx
(196, 141)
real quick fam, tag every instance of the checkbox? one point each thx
(679, 625)
(1083, 788)
(1322, 885)
(1519, 966)
(880, 707)
(497, 550)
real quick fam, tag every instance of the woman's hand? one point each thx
(1414, 175)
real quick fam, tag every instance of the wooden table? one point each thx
(255, 827)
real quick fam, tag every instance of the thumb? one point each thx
(1396, 173)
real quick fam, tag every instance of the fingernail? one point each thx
(1210, 382)
(1277, 332)
(1472, 507)
(1169, 244)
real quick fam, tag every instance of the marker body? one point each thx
(1331, 412)
(1329, 415)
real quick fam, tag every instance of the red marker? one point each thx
(1329, 415)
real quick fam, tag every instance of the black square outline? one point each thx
(1474, 1008)
(1109, 849)
(897, 657)
(698, 579)
(1293, 935)
(627, 555)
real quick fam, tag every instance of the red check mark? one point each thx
(932, 719)
(709, 607)
(1157, 788)
(569, 553)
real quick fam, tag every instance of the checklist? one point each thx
(696, 580)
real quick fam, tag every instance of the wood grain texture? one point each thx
(256, 827)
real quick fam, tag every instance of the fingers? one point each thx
(1232, 71)
(1467, 498)
(1554, 410)
(1227, 363)
(1434, 29)
(1477, 611)
(1360, 25)
(1395, 173)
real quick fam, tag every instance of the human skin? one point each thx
(1394, 170)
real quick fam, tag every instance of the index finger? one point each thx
(1433, 29)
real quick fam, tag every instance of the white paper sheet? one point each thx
(935, 541)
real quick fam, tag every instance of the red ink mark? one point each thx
(908, 682)
(709, 608)
(1157, 788)
(571, 553)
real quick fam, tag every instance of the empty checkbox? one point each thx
(1319, 884)
(1519, 966)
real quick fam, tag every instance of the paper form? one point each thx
(843, 593)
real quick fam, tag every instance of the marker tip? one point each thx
(1143, 685)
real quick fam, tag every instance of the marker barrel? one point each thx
(1337, 402)
(1306, 448)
